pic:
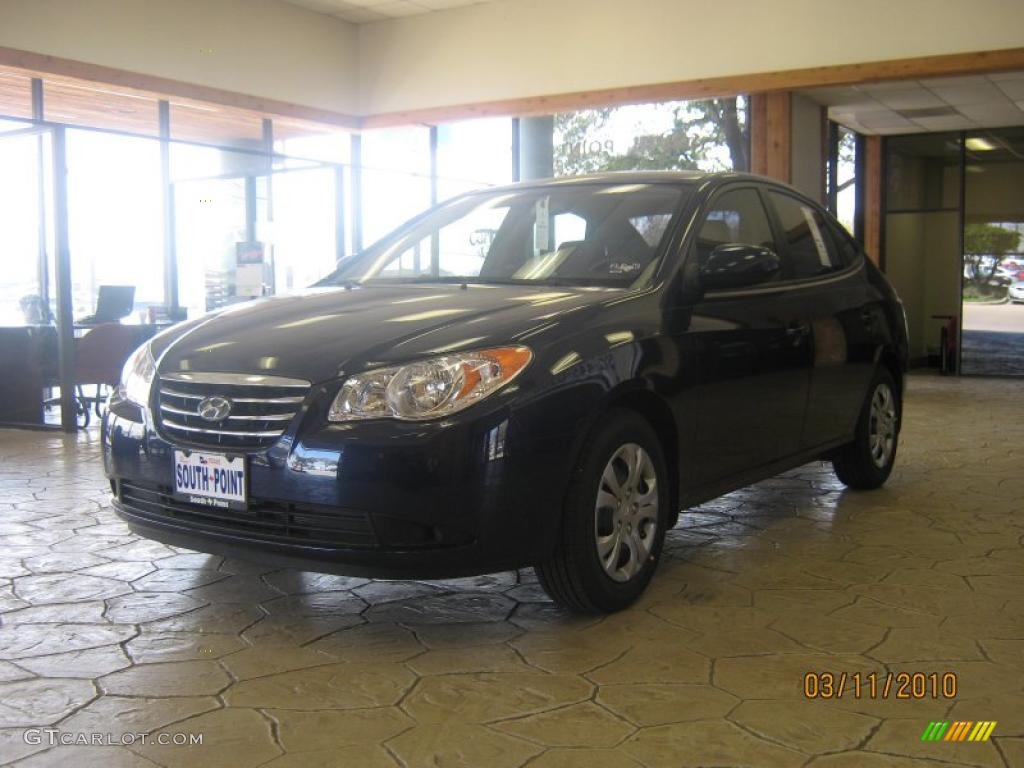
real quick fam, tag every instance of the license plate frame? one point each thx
(210, 479)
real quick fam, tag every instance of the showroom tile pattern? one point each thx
(102, 632)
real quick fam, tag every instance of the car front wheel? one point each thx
(614, 519)
(867, 462)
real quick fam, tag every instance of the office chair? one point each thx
(113, 303)
(99, 357)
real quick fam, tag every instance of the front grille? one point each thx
(261, 409)
(272, 521)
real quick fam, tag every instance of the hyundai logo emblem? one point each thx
(215, 408)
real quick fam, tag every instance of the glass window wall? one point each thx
(711, 135)
(115, 219)
(26, 242)
(993, 258)
(473, 154)
(395, 178)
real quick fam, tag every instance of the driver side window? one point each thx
(735, 217)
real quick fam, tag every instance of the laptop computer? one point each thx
(113, 303)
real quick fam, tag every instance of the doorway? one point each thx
(36, 326)
(992, 340)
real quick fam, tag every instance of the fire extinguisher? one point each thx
(948, 343)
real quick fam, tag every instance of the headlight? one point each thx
(137, 376)
(428, 388)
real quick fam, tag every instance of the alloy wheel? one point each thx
(882, 425)
(626, 512)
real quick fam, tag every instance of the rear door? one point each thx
(824, 266)
(752, 352)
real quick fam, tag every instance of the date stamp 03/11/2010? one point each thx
(909, 686)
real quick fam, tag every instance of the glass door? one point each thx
(992, 340)
(30, 339)
(26, 221)
(221, 218)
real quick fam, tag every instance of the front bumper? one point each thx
(478, 493)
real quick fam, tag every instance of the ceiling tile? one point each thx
(985, 113)
(362, 11)
(880, 120)
(899, 130)
(883, 86)
(981, 92)
(1000, 77)
(909, 98)
(1014, 89)
(848, 97)
(400, 8)
(965, 81)
(361, 15)
(440, 5)
(945, 123)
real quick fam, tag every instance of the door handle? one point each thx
(798, 328)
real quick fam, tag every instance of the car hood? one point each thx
(318, 334)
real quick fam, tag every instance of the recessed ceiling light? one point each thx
(979, 144)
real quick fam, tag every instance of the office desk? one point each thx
(28, 364)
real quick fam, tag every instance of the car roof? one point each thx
(642, 177)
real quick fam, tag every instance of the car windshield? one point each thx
(571, 234)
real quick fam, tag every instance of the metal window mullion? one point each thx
(167, 193)
(435, 240)
(357, 192)
(65, 320)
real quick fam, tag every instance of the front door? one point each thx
(752, 352)
(844, 312)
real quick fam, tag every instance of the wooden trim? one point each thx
(702, 88)
(873, 197)
(162, 86)
(779, 136)
(706, 88)
(824, 155)
(759, 133)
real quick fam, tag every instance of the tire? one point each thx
(867, 462)
(629, 532)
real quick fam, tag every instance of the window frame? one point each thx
(718, 195)
(688, 249)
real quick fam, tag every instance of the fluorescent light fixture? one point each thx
(978, 144)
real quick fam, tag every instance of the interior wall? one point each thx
(263, 48)
(807, 153)
(521, 48)
(996, 194)
(922, 261)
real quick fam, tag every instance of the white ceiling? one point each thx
(363, 11)
(937, 104)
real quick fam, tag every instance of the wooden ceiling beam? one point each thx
(978, 62)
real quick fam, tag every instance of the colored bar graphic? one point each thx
(959, 730)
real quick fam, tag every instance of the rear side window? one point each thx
(735, 217)
(848, 250)
(810, 250)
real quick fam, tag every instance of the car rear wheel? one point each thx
(614, 519)
(867, 462)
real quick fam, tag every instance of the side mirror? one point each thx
(735, 265)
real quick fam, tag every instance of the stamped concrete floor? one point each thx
(103, 633)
